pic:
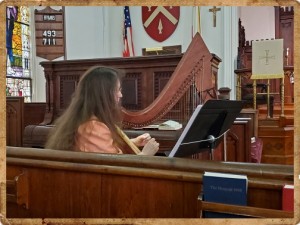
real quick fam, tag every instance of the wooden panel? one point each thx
(284, 28)
(34, 113)
(76, 184)
(278, 144)
(18, 189)
(160, 80)
(147, 76)
(132, 91)
(19, 115)
(67, 89)
(253, 122)
(244, 211)
(14, 120)
(238, 142)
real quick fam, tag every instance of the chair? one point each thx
(261, 96)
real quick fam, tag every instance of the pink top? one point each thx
(95, 136)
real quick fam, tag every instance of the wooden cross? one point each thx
(214, 10)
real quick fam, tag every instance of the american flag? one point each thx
(127, 34)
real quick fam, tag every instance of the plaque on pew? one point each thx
(207, 125)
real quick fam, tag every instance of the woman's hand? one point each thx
(150, 148)
(141, 140)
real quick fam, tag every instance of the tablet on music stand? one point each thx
(206, 126)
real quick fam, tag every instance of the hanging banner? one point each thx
(160, 22)
(267, 59)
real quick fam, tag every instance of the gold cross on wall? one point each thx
(214, 10)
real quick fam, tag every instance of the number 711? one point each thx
(49, 41)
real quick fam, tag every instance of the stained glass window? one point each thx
(18, 78)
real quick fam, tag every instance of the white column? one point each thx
(230, 44)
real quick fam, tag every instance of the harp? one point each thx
(193, 82)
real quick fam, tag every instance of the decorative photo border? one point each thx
(3, 4)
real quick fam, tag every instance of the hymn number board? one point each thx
(49, 31)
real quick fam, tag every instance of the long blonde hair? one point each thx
(94, 96)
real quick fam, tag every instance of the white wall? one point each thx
(99, 33)
(259, 22)
(83, 32)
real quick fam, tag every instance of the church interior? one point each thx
(178, 58)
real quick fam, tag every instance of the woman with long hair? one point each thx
(93, 119)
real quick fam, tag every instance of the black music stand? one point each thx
(206, 126)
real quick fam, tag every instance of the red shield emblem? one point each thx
(160, 21)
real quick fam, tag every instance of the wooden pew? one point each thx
(244, 211)
(47, 183)
(238, 138)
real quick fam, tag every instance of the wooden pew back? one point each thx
(63, 184)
